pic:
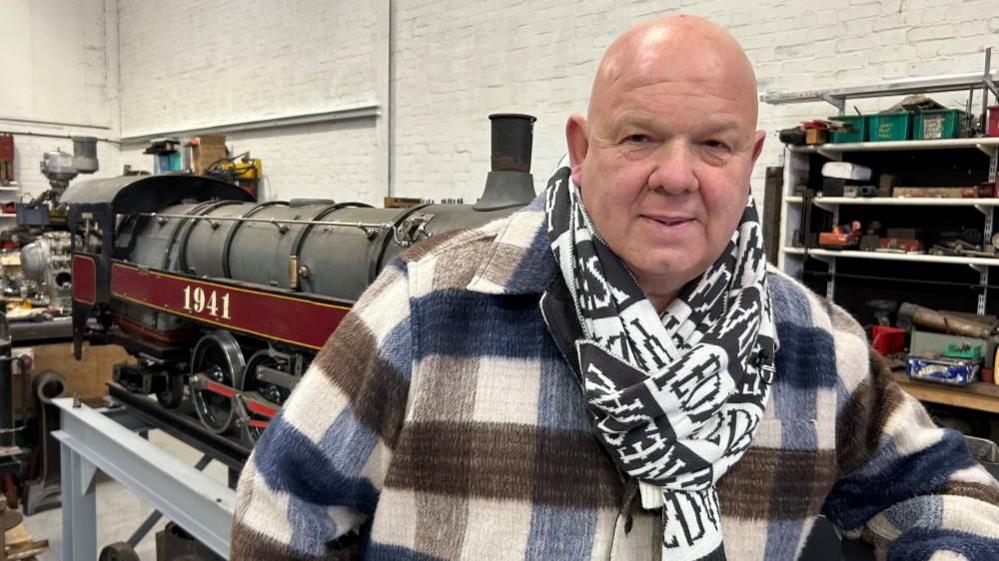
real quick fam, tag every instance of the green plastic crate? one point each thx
(964, 351)
(936, 124)
(889, 126)
(858, 123)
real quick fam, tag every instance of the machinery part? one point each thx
(43, 492)
(85, 154)
(263, 376)
(57, 167)
(183, 427)
(172, 395)
(47, 261)
(883, 310)
(912, 314)
(60, 167)
(118, 551)
(217, 367)
(174, 544)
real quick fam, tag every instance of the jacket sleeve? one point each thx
(312, 482)
(906, 485)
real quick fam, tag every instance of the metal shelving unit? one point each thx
(792, 259)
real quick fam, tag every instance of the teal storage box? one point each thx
(937, 124)
(889, 126)
(857, 125)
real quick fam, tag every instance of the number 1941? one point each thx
(196, 300)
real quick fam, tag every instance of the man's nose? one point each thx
(674, 169)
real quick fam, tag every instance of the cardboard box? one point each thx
(206, 150)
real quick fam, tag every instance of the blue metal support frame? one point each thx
(91, 441)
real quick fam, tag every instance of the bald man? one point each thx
(612, 372)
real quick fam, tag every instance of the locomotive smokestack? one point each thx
(510, 183)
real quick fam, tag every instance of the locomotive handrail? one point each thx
(273, 221)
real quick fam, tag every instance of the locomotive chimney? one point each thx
(510, 183)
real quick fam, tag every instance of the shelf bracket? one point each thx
(824, 258)
(989, 151)
(991, 85)
(985, 210)
(837, 101)
(980, 269)
(829, 207)
(838, 156)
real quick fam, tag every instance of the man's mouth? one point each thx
(669, 221)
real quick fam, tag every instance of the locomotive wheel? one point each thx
(173, 395)
(118, 551)
(219, 357)
(249, 434)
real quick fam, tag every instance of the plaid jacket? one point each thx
(440, 422)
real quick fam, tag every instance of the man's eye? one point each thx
(637, 138)
(716, 144)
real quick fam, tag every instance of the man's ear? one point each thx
(758, 144)
(575, 139)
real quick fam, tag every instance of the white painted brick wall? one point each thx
(200, 64)
(205, 63)
(456, 61)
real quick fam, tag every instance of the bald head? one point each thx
(674, 48)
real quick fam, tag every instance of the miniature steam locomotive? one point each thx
(223, 301)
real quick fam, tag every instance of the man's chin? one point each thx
(679, 271)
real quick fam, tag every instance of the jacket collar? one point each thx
(519, 260)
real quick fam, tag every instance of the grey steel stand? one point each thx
(91, 441)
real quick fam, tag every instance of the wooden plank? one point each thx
(978, 396)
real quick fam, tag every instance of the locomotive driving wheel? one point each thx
(251, 431)
(219, 360)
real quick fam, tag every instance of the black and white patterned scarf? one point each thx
(676, 398)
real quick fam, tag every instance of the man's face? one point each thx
(664, 167)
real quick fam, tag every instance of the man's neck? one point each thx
(661, 300)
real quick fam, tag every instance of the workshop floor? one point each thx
(119, 512)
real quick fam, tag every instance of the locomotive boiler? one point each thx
(223, 302)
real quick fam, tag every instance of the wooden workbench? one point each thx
(978, 396)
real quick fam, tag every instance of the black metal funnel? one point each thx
(510, 183)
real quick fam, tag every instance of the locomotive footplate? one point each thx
(227, 450)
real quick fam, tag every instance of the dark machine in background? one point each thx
(222, 301)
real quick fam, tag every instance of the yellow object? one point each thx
(248, 169)
(245, 169)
